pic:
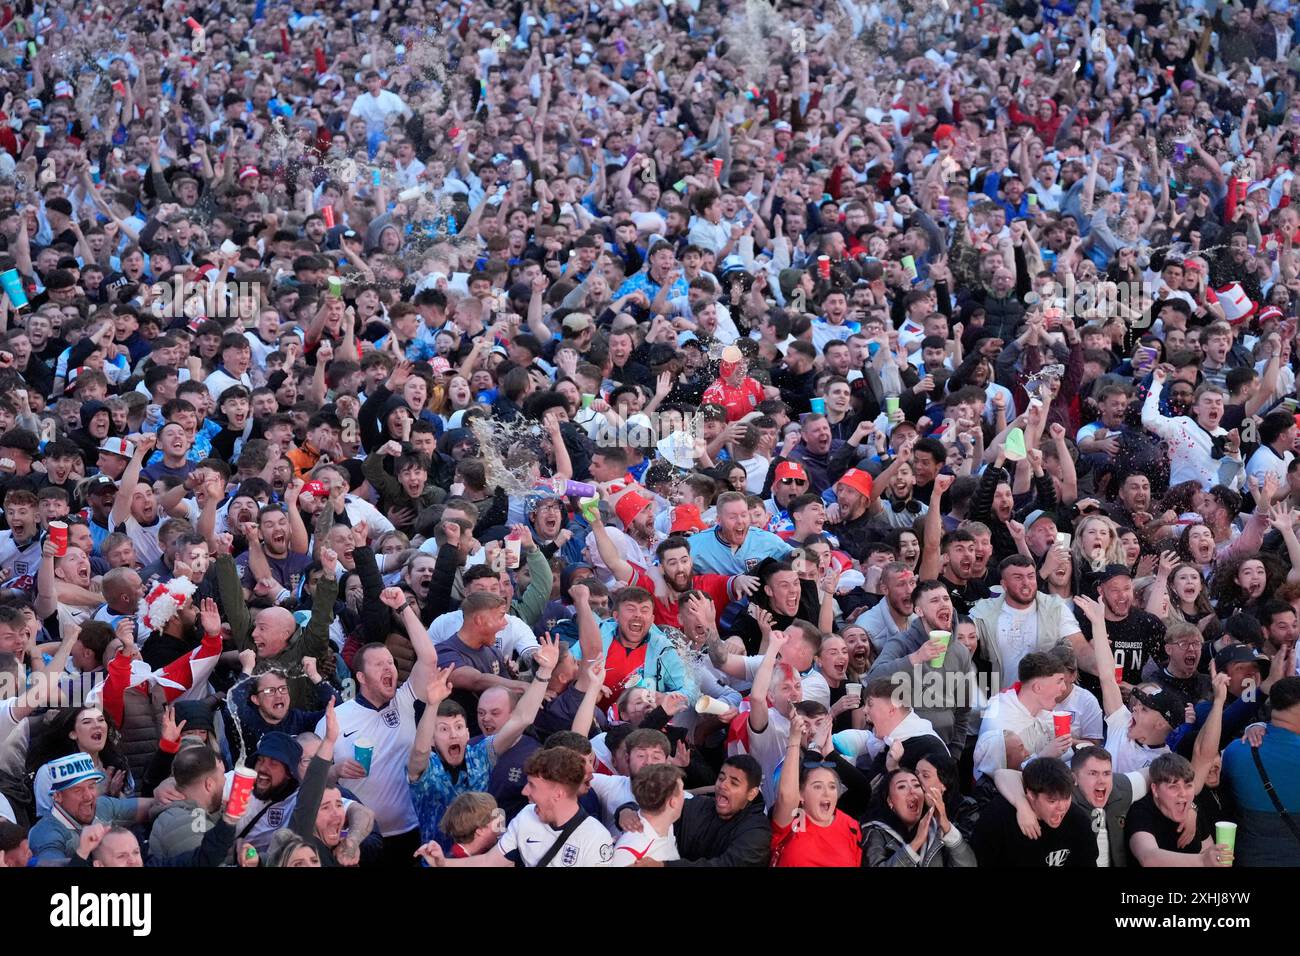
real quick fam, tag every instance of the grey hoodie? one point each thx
(950, 687)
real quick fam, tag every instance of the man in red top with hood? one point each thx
(733, 389)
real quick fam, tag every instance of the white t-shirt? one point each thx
(145, 540)
(1006, 712)
(854, 743)
(391, 730)
(613, 791)
(1127, 753)
(1086, 719)
(1017, 636)
(588, 845)
(375, 110)
(647, 844)
(516, 636)
(768, 748)
(1265, 461)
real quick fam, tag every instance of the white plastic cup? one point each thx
(711, 705)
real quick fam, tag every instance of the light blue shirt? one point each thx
(713, 556)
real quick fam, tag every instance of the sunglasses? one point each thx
(818, 765)
(794, 481)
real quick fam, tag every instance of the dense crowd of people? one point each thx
(649, 434)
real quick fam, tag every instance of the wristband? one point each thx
(538, 675)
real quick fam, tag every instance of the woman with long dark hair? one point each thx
(908, 825)
(79, 729)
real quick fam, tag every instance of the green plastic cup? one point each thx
(891, 404)
(1225, 832)
(945, 637)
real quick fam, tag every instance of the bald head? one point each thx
(494, 707)
(122, 590)
(272, 631)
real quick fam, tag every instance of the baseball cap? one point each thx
(439, 365)
(317, 488)
(118, 446)
(1241, 654)
(688, 338)
(71, 770)
(1165, 702)
(687, 518)
(73, 375)
(790, 469)
(100, 483)
(1110, 571)
(858, 480)
(1035, 515)
(248, 172)
(629, 506)
(577, 321)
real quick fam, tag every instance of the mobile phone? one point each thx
(1063, 540)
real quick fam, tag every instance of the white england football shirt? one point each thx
(391, 730)
(588, 845)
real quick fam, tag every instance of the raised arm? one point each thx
(436, 690)
(130, 478)
(1111, 701)
(762, 682)
(589, 639)
(545, 658)
(787, 791)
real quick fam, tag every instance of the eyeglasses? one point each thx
(1187, 645)
(275, 692)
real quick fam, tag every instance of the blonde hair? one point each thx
(466, 814)
(1114, 553)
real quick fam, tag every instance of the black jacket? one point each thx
(705, 839)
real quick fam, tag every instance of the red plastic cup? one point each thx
(1119, 674)
(1061, 723)
(321, 65)
(59, 535)
(193, 24)
(328, 213)
(241, 788)
(284, 40)
(717, 168)
(824, 266)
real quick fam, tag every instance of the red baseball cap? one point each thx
(629, 506)
(790, 469)
(317, 488)
(687, 518)
(858, 480)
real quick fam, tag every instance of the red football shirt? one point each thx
(839, 844)
(714, 585)
(621, 665)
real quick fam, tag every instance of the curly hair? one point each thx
(1227, 593)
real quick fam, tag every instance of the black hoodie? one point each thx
(705, 839)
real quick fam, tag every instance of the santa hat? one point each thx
(1237, 307)
(160, 605)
